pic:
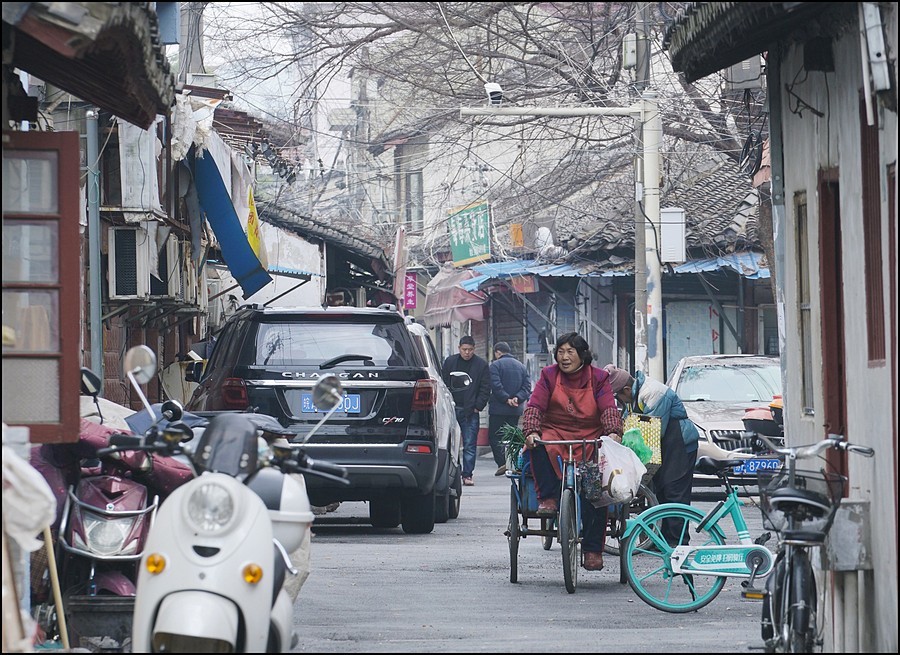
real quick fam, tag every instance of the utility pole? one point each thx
(646, 112)
(642, 73)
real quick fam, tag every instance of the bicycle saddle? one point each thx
(709, 466)
(817, 504)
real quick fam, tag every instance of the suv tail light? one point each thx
(234, 394)
(424, 396)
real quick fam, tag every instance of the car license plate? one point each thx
(349, 405)
(755, 464)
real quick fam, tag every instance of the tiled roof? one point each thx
(721, 210)
(351, 239)
(107, 53)
(710, 36)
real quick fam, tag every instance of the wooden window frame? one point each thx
(68, 282)
(870, 180)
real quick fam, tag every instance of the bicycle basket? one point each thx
(811, 501)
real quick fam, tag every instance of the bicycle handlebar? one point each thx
(805, 452)
(573, 442)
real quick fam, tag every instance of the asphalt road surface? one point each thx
(380, 590)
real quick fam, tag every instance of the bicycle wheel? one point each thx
(568, 539)
(513, 536)
(547, 539)
(801, 612)
(644, 500)
(649, 567)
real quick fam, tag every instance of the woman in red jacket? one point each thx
(571, 401)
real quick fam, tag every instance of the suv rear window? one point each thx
(312, 343)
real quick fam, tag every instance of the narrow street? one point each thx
(376, 590)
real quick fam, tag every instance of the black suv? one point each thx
(267, 360)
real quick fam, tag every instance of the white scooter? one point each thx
(211, 578)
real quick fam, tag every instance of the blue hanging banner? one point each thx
(236, 251)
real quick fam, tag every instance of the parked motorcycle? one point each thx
(105, 509)
(212, 575)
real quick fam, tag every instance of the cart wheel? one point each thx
(513, 536)
(547, 539)
(568, 538)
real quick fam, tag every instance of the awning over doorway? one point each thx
(446, 301)
(222, 217)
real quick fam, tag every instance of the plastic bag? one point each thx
(634, 439)
(651, 430)
(621, 472)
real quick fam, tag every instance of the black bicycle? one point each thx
(799, 506)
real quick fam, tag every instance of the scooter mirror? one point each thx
(141, 363)
(90, 383)
(172, 410)
(328, 392)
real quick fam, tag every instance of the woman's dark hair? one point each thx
(578, 343)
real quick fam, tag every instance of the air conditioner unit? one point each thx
(215, 306)
(129, 263)
(190, 282)
(172, 269)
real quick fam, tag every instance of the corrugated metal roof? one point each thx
(748, 264)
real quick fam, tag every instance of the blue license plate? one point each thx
(349, 405)
(751, 466)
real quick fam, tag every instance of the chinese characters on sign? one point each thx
(470, 235)
(409, 291)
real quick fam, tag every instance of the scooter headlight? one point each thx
(106, 536)
(210, 508)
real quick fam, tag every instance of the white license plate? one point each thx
(756, 464)
(349, 404)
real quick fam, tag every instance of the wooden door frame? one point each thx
(831, 310)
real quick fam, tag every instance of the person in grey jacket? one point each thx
(510, 389)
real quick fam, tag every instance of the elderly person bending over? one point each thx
(678, 441)
(571, 401)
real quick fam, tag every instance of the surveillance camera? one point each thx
(494, 93)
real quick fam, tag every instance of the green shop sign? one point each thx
(470, 233)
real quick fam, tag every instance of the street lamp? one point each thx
(648, 351)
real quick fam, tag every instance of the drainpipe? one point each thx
(740, 317)
(93, 197)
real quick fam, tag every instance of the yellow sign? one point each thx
(516, 237)
(254, 232)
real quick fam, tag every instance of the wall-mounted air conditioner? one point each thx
(130, 275)
(129, 263)
(173, 270)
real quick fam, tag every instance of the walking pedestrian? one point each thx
(470, 400)
(679, 437)
(510, 389)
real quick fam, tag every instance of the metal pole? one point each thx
(639, 112)
(93, 198)
(652, 136)
(642, 74)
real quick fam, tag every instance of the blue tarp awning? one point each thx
(746, 264)
(236, 251)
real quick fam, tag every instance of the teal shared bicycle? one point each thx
(686, 570)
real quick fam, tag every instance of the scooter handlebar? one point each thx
(326, 467)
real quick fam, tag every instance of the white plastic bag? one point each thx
(622, 472)
(28, 503)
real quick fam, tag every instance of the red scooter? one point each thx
(105, 508)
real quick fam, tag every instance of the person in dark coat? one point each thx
(470, 400)
(510, 389)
